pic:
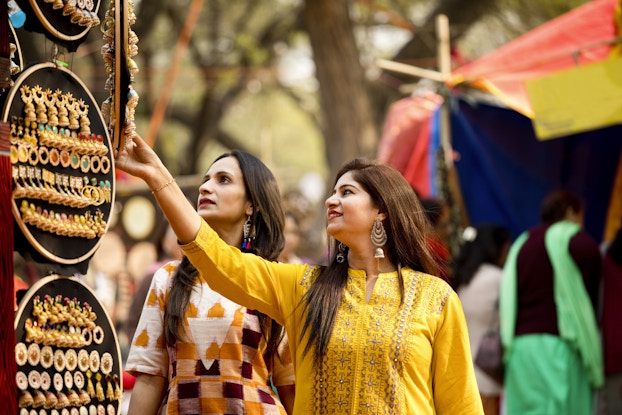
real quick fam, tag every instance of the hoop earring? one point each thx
(248, 234)
(341, 254)
(378, 238)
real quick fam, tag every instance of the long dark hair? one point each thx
(486, 244)
(406, 227)
(268, 221)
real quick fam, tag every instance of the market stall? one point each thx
(504, 167)
(58, 197)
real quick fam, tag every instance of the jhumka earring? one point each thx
(378, 238)
(341, 253)
(248, 235)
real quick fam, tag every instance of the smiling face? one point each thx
(222, 196)
(350, 213)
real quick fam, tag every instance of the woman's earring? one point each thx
(378, 238)
(341, 253)
(248, 235)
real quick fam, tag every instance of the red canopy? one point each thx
(583, 35)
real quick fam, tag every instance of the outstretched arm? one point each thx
(138, 159)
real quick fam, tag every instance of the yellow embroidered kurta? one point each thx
(383, 357)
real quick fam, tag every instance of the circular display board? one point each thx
(67, 20)
(66, 350)
(61, 163)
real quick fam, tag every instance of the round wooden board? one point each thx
(61, 249)
(70, 288)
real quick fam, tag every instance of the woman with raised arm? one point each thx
(374, 331)
(195, 351)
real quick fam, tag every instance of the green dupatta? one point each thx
(575, 314)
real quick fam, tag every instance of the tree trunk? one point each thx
(347, 124)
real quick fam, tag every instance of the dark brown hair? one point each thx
(556, 205)
(406, 227)
(488, 246)
(267, 220)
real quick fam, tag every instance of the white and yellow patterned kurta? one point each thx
(219, 368)
(383, 357)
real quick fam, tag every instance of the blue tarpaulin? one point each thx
(505, 172)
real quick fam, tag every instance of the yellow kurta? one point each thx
(383, 357)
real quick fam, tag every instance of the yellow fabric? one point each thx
(382, 357)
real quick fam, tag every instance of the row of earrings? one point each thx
(86, 225)
(60, 309)
(36, 156)
(59, 189)
(108, 55)
(47, 399)
(54, 108)
(33, 134)
(80, 12)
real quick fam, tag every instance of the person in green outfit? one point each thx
(548, 297)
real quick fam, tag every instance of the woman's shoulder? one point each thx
(427, 282)
(162, 276)
(309, 273)
(429, 294)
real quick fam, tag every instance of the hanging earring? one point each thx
(341, 253)
(247, 236)
(378, 238)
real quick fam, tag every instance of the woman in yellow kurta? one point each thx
(373, 332)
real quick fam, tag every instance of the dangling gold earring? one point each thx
(378, 238)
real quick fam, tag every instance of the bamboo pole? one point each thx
(194, 12)
(410, 70)
(451, 179)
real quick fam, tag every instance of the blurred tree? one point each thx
(245, 51)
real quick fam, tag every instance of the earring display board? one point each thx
(66, 20)
(61, 164)
(67, 352)
(120, 46)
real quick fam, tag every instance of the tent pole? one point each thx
(444, 64)
(449, 181)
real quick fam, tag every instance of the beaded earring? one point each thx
(249, 234)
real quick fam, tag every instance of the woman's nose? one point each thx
(330, 201)
(205, 187)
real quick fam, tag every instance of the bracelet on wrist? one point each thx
(163, 186)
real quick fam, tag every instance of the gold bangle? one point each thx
(163, 186)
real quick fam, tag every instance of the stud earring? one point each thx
(378, 238)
